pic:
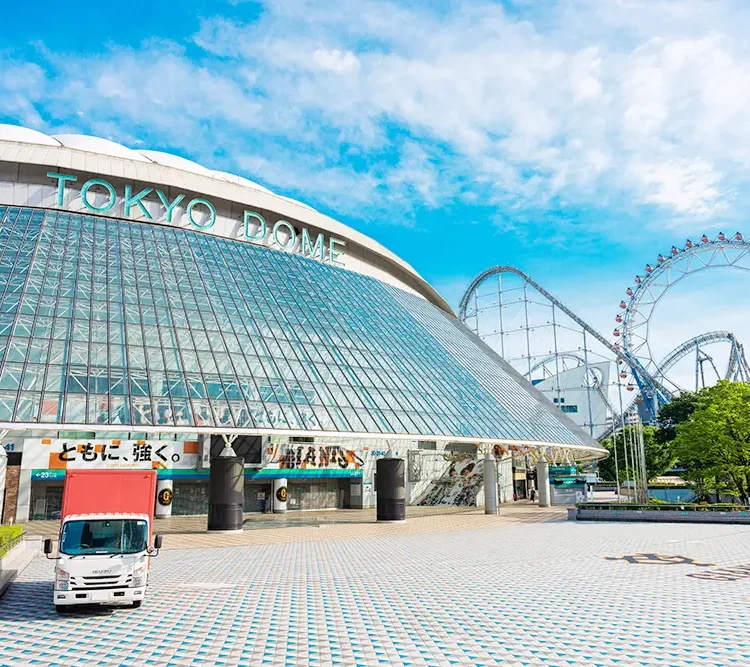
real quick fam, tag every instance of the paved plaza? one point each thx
(454, 589)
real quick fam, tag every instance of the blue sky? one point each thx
(574, 139)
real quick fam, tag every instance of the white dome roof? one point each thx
(239, 180)
(83, 142)
(296, 201)
(175, 161)
(25, 135)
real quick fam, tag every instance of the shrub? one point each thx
(8, 537)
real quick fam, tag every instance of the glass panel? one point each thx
(33, 377)
(147, 324)
(51, 408)
(98, 409)
(119, 410)
(7, 403)
(17, 349)
(10, 378)
(75, 409)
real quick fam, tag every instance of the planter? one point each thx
(660, 516)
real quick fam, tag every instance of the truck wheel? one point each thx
(137, 604)
(62, 608)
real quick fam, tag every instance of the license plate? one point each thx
(100, 596)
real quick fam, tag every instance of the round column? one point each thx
(226, 493)
(490, 484)
(542, 482)
(164, 493)
(280, 493)
(391, 491)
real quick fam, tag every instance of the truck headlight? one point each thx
(139, 577)
(62, 579)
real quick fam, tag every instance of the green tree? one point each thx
(659, 455)
(678, 410)
(714, 443)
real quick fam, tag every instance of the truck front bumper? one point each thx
(109, 596)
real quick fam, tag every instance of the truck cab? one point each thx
(104, 556)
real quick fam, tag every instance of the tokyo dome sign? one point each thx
(101, 196)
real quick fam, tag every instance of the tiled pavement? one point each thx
(190, 531)
(517, 593)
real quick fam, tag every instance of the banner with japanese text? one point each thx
(73, 454)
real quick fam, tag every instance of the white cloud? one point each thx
(18, 83)
(641, 100)
(336, 61)
(686, 187)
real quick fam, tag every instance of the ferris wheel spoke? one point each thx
(636, 336)
(679, 268)
(699, 259)
(633, 331)
(740, 256)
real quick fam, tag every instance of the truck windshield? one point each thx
(104, 536)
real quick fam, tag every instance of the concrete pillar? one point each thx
(490, 484)
(391, 491)
(23, 504)
(542, 481)
(226, 492)
(279, 495)
(355, 493)
(164, 492)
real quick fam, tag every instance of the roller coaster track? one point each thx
(654, 393)
(737, 367)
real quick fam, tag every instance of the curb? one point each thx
(18, 560)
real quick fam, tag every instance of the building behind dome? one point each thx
(152, 309)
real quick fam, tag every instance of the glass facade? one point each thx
(105, 321)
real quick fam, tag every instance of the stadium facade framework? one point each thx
(152, 309)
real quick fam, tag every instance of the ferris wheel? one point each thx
(634, 319)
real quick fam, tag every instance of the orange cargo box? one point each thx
(109, 492)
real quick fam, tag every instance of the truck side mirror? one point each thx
(157, 541)
(47, 547)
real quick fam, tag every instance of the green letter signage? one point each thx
(292, 238)
(167, 205)
(130, 200)
(333, 253)
(85, 195)
(262, 229)
(284, 234)
(61, 178)
(211, 213)
(310, 250)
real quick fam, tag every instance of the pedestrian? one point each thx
(533, 495)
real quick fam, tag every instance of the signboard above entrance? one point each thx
(71, 454)
(152, 204)
(321, 457)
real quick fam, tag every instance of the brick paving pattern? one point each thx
(529, 590)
